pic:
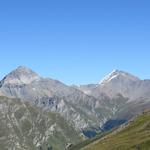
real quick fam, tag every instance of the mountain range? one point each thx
(57, 115)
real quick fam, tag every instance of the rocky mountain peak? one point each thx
(21, 75)
(118, 75)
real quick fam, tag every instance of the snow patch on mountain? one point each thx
(117, 74)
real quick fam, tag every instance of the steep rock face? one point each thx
(84, 107)
(132, 108)
(27, 127)
(21, 75)
(87, 89)
(134, 94)
(120, 82)
(81, 110)
(118, 76)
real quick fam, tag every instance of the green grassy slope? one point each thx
(133, 136)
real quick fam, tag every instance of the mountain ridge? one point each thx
(116, 74)
(21, 75)
(87, 108)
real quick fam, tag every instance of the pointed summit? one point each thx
(21, 75)
(22, 68)
(118, 75)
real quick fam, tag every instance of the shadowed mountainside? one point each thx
(134, 135)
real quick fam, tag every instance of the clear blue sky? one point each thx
(75, 41)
